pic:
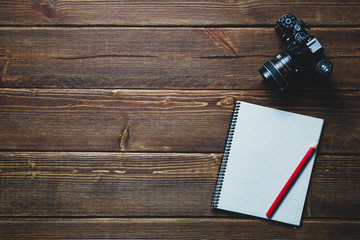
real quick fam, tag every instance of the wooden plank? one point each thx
(173, 12)
(186, 58)
(157, 120)
(149, 184)
(173, 228)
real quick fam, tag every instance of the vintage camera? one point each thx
(304, 56)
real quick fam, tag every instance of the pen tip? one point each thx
(315, 144)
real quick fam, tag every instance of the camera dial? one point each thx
(300, 37)
(287, 21)
(323, 68)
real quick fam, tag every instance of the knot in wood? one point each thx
(48, 10)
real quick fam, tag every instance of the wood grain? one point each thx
(114, 114)
(176, 58)
(175, 13)
(157, 120)
(173, 228)
(149, 184)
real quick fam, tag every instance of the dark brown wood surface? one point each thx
(158, 120)
(149, 184)
(174, 228)
(114, 115)
(177, 58)
(174, 12)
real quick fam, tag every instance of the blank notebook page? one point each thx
(267, 146)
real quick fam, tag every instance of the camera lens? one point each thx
(279, 71)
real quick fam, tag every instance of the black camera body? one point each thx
(304, 56)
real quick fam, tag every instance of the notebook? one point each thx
(263, 148)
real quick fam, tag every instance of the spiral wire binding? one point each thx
(225, 159)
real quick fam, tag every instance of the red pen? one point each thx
(291, 180)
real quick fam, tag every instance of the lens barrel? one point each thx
(279, 72)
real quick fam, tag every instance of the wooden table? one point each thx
(114, 115)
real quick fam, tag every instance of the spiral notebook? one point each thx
(263, 148)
